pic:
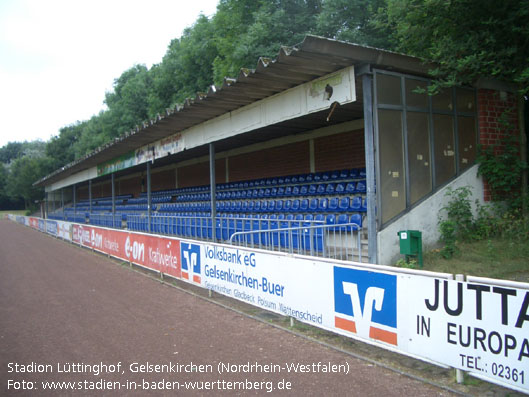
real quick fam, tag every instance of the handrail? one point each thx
(330, 227)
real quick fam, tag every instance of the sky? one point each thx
(59, 57)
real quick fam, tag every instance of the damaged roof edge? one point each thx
(318, 55)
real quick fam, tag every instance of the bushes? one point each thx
(458, 223)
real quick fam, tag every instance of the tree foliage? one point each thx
(468, 39)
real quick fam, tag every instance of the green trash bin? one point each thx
(410, 242)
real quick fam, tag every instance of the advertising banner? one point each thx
(64, 230)
(154, 252)
(476, 327)
(479, 328)
(164, 147)
(280, 284)
(51, 227)
(34, 222)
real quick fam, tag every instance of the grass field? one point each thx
(14, 212)
(494, 258)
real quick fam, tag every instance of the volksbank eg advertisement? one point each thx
(292, 287)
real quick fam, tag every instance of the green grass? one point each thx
(14, 212)
(494, 258)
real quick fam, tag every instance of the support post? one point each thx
(62, 203)
(369, 138)
(74, 201)
(213, 186)
(90, 197)
(460, 374)
(113, 199)
(149, 196)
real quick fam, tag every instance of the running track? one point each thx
(61, 304)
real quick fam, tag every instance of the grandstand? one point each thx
(327, 150)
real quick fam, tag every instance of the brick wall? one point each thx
(198, 174)
(283, 160)
(129, 186)
(340, 151)
(494, 109)
(163, 180)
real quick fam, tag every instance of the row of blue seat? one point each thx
(337, 175)
(322, 189)
(322, 204)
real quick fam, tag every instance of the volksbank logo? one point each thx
(190, 262)
(365, 303)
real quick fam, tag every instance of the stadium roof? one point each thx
(313, 58)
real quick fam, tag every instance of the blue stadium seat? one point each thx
(356, 219)
(313, 205)
(304, 205)
(356, 204)
(333, 204)
(323, 205)
(364, 205)
(350, 188)
(295, 207)
(360, 187)
(287, 204)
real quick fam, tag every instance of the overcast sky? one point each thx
(59, 57)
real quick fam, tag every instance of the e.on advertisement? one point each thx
(156, 253)
(479, 328)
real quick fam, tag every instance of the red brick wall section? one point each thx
(163, 180)
(340, 151)
(494, 111)
(82, 193)
(198, 174)
(283, 160)
(130, 186)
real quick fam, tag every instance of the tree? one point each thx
(61, 148)
(354, 21)
(11, 151)
(24, 172)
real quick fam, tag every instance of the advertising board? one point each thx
(474, 327)
(154, 252)
(481, 328)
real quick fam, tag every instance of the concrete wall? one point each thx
(424, 218)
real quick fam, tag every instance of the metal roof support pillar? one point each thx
(149, 196)
(62, 203)
(74, 201)
(213, 186)
(113, 198)
(89, 197)
(47, 208)
(369, 138)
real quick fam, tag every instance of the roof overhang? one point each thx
(313, 58)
